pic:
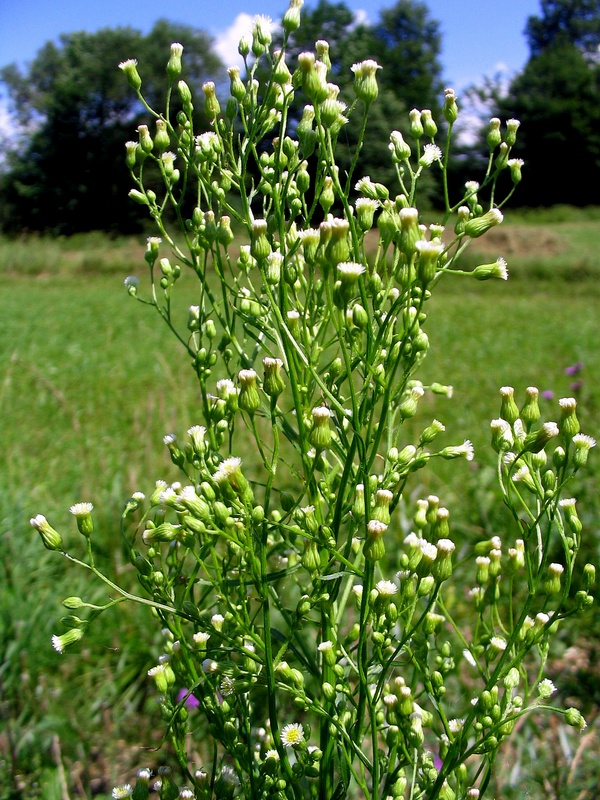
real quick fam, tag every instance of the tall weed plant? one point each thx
(325, 635)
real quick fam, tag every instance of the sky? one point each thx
(479, 37)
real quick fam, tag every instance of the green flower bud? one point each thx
(583, 445)
(174, 65)
(59, 643)
(314, 78)
(552, 582)
(50, 538)
(410, 233)
(442, 566)
(450, 109)
(236, 85)
(131, 154)
(129, 68)
(83, 514)
(248, 399)
(568, 423)
(515, 165)
(365, 80)
(574, 718)
(429, 127)
(146, 143)
(273, 384)
(260, 247)
(509, 410)
(537, 440)
(399, 148)
(348, 273)
(327, 196)
(291, 18)
(512, 126)
(496, 270)
(365, 212)
(374, 547)
(320, 434)
(429, 256)
(211, 104)
(494, 137)
(479, 225)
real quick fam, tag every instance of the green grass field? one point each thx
(90, 381)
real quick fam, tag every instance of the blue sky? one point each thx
(480, 37)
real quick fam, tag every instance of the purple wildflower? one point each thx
(548, 394)
(190, 700)
(576, 386)
(574, 369)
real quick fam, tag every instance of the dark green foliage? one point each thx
(69, 174)
(562, 22)
(557, 99)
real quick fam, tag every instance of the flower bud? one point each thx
(129, 68)
(494, 137)
(450, 109)
(574, 718)
(374, 548)
(496, 270)
(260, 247)
(479, 225)
(320, 434)
(174, 65)
(291, 18)
(537, 440)
(583, 445)
(399, 148)
(211, 104)
(515, 165)
(415, 127)
(429, 255)
(51, 539)
(83, 514)
(365, 80)
(273, 384)
(568, 423)
(429, 127)
(248, 399)
(508, 409)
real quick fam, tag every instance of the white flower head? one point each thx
(386, 588)
(546, 689)
(431, 153)
(122, 791)
(292, 734)
(81, 509)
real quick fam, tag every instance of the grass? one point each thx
(90, 381)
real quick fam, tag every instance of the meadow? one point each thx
(90, 382)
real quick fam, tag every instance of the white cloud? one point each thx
(361, 17)
(228, 40)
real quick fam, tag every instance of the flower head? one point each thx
(292, 735)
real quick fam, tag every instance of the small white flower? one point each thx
(456, 725)
(272, 754)
(546, 689)
(431, 153)
(122, 791)
(292, 734)
(386, 588)
(469, 657)
(81, 509)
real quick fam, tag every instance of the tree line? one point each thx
(64, 171)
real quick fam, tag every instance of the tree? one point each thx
(408, 44)
(562, 22)
(68, 172)
(557, 100)
(405, 42)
